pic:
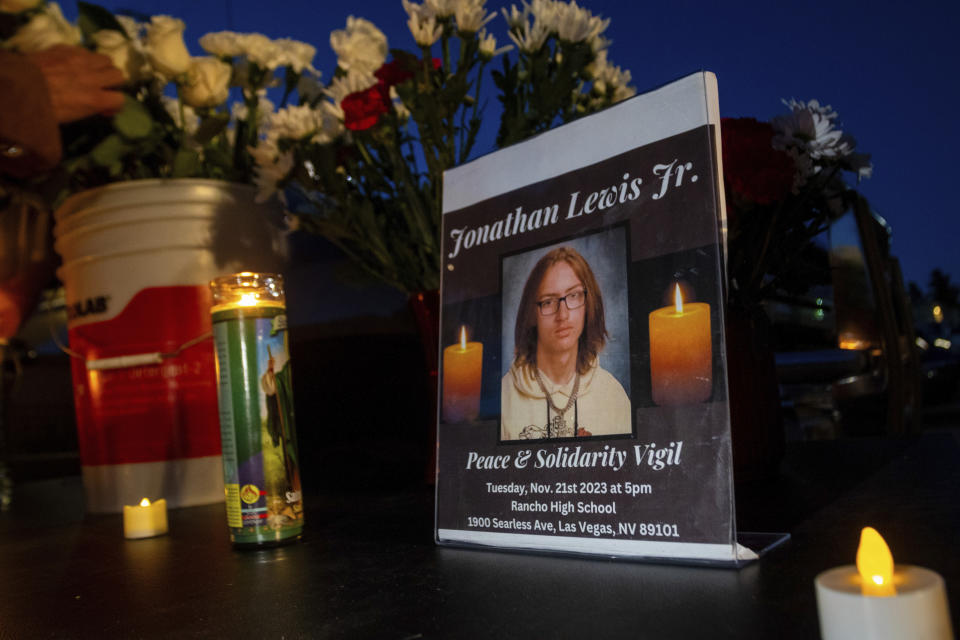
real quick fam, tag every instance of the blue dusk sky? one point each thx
(884, 67)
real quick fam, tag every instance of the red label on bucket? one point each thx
(154, 412)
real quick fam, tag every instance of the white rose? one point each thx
(361, 46)
(44, 30)
(165, 48)
(123, 52)
(16, 6)
(207, 83)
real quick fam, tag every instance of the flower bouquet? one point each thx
(177, 119)
(362, 158)
(784, 183)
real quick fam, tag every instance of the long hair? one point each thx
(594, 335)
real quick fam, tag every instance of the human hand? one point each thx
(79, 82)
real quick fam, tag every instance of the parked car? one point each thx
(845, 354)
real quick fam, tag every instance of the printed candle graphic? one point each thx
(681, 356)
(462, 369)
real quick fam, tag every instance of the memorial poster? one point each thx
(583, 389)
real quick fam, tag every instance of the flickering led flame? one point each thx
(144, 503)
(677, 299)
(875, 564)
(248, 300)
(463, 337)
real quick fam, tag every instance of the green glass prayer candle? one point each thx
(260, 459)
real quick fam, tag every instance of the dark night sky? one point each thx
(884, 67)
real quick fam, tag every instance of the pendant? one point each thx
(558, 427)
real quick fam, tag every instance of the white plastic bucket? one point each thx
(137, 260)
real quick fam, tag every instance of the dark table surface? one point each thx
(368, 567)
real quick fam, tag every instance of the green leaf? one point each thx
(134, 120)
(186, 163)
(210, 127)
(94, 18)
(109, 151)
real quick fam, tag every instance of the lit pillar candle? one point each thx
(875, 601)
(145, 520)
(681, 355)
(462, 369)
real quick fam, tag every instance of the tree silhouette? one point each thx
(916, 293)
(942, 290)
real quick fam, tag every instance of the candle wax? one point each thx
(681, 355)
(918, 611)
(145, 521)
(462, 373)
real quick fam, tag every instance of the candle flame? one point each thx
(678, 299)
(145, 503)
(875, 564)
(248, 300)
(463, 337)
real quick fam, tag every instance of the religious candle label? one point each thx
(587, 410)
(261, 475)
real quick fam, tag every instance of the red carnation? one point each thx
(393, 73)
(752, 167)
(362, 110)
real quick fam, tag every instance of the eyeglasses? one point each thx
(573, 300)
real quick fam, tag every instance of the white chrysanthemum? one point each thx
(295, 122)
(294, 54)
(442, 8)
(622, 92)
(309, 87)
(272, 167)
(361, 46)
(471, 15)
(226, 44)
(329, 123)
(424, 27)
(239, 111)
(860, 163)
(399, 108)
(343, 86)
(575, 24)
(607, 76)
(270, 54)
(516, 19)
(530, 39)
(810, 127)
(414, 9)
(488, 46)
(190, 122)
(546, 12)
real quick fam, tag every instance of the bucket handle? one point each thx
(135, 360)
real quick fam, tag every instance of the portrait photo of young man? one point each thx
(555, 386)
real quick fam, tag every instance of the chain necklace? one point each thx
(558, 424)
